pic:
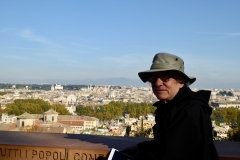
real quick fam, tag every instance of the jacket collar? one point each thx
(186, 94)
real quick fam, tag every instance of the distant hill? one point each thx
(120, 81)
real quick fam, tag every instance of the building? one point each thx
(49, 122)
(25, 119)
(71, 99)
(50, 116)
(225, 104)
(58, 87)
(8, 119)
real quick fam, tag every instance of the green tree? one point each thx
(3, 93)
(144, 133)
(32, 106)
(115, 110)
(228, 115)
(61, 109)
(84, 110)
(234, 135)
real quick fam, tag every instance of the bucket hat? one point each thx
(165, 62)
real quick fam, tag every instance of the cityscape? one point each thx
(76, 98)
(70, 86)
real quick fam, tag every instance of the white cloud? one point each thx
(30, 35)
(233, 34)
(222, 35)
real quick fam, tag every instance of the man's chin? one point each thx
(162, 98)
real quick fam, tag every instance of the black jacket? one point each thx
(183, 129)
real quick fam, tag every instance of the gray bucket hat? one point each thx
(165, 62)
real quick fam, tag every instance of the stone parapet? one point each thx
(52, 146)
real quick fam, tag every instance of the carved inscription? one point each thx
(31, 153)
(83, 154)
(12, 152)
(38, 154)
(87, 156)
(8, 152)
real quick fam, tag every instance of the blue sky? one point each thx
(77, 39)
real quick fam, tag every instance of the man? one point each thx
(183, 129)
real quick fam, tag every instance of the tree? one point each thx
(228, 115)
(115, 110)
(1, 111)
(33, 106)
(21, 106)
(145, 133)
(219, 118)
(234, 135)
(61, 109)
(82, 110)
(128, 129)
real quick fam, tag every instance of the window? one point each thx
(52, 118)
(22, 123)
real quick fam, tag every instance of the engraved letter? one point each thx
(9, 152)
(76, 155)
(41, 155)
(3, 154)
(84, 155)
(92, 158)
(15, 152)
(61, 156)
(34, 153)
(48, 153)
(55, 155)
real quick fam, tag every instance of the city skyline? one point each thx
(79, 41)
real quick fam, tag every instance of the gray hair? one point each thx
(181, 78)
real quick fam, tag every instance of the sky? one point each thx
(93, 39)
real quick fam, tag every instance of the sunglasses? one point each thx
(163, 78)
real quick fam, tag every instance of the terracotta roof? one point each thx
(53, 124)
(8, 126)
(38, 122)
(83, 118)
(72, 123)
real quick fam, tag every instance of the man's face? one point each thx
(164, 86)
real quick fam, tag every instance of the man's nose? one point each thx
(158, 82)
